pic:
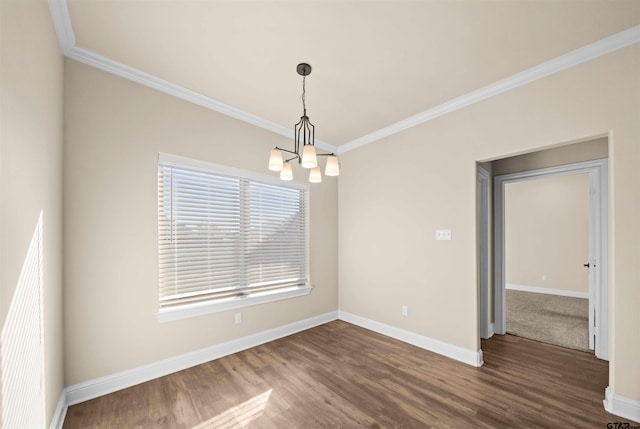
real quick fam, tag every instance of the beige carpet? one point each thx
(559, 320)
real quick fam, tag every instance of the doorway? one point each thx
(597, 260)
(546, 247)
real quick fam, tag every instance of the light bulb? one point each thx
(275, 160)
(287, 172)
(309, 159)
(315, 176)
(333, 166)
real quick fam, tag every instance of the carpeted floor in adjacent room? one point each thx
(553, 319)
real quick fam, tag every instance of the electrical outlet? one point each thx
(443, 234)
(238, 318)
(405, 310)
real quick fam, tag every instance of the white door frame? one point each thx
(598, 246)
(484, 251)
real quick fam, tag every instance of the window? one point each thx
(227, 238)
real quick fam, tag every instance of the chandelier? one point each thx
(304, 149)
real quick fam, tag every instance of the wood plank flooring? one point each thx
(341, 376)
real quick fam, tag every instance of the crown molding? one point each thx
(586, 53)
(101, 62)
(62, 24)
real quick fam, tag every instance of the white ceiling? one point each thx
(374, 62)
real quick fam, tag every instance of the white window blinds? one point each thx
(226, 235)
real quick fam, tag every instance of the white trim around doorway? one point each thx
(484, 252)
(598, 241)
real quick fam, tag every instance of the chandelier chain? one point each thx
(304, 106)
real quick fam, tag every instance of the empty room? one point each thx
(319, 214)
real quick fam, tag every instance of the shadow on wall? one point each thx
(21, 350)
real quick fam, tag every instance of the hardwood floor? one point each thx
(341, 376)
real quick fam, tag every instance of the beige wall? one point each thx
(114, 130)
(31, 81)
(393, 195)
(547, 232)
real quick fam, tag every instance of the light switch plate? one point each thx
(443, 234)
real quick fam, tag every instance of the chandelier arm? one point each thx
(298, 128)
(286, 150)
(306, 129)
(305, 132)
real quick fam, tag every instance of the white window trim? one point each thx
(186, 311)
(204, 308)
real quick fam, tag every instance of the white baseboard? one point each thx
(621, 406)
(470, 357)
(536, 289)
(121, 380)
(102, 386)
(61, 411)
(614, 404)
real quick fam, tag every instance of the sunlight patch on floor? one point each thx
(239, 416)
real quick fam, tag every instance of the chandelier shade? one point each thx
(275, 160)
(333, 166)
(315, 176)
(304, 150)
(309, 158)
(286, 173)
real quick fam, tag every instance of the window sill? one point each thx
(201, 309)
